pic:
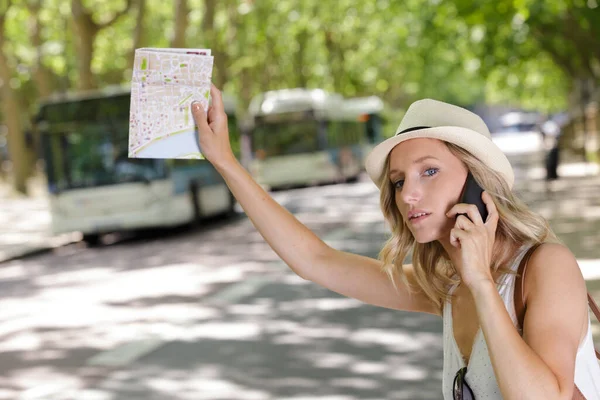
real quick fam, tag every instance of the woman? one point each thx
(463, 267)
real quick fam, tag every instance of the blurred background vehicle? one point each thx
(93, 186)
(520, 121)
(310, 136)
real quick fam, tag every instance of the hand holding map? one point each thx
(213, 132)
(164, 84)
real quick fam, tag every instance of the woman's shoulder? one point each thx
(552, 253)
(551, 265)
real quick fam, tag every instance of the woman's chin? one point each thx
(423, 239)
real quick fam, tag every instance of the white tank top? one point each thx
(480, 374)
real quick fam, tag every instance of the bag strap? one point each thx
(520, 307)
(596, 311)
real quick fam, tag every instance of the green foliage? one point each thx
(521, 52)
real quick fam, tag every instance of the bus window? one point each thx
(284, 138)
(373, 125)
(92, 159)
(298, 137)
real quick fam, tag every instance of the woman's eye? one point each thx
(428, 172)
(431, 171)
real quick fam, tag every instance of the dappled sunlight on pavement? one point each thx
(210, 314)
(325, 347)
(213, 313)
(25, 226)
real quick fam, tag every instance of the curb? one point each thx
(32, 251)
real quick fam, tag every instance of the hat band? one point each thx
(414, 128)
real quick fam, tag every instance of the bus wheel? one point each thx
(195, 204)
(92, 240)
(352, 179)
(232, 202)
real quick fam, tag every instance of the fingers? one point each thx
(456, 235)
(468, 220)
(463, 223)
(470, 210)
(200, 117)
(493, 215)
(217, 100)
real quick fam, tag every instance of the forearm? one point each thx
(289, 238)
(520, 372)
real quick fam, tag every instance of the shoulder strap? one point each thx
(596, 311)
(520, 307)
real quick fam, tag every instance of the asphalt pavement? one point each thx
(212, 313)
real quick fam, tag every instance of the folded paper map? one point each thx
(164, 84)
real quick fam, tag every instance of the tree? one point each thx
(86, 30)
(181, 23)
(522, 52)
(139, 38)
(11, 108)
(44, 79)
(515, 33)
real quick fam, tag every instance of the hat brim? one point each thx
(474, 142)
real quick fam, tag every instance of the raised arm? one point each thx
(306, 254)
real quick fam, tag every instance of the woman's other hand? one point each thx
(475, 239)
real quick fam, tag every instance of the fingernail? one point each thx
(196, 105)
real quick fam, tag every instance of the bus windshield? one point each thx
(85, 143)
(90, 156)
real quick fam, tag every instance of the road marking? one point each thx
(336, 235)
(125, 353)
(237, 291)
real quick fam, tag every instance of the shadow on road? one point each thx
(293, 340)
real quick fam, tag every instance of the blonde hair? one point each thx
(433, 271)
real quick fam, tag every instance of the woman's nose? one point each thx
(411, 192)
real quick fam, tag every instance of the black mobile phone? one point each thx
(472, 195)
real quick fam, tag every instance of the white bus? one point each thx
(301, 137)
(370, 112)
(93, 186)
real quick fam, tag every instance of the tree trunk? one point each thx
(302, 40)
(222, 59)
(267, 69)
(139, 32)
(43, 77)
(181, 23)
(208, 21)
(208, 29)
(336, 57)
(86, 30)
(12, 112)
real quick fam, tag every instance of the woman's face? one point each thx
(428, 180)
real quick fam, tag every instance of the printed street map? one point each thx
(163, 86)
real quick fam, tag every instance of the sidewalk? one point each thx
(25, 223)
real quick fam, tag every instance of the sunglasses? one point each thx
(460, 388)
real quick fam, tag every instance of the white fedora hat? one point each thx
(434, 119)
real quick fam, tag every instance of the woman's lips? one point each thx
(418, 219)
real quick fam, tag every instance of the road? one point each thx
(212, 313)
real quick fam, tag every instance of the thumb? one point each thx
(200, 117)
